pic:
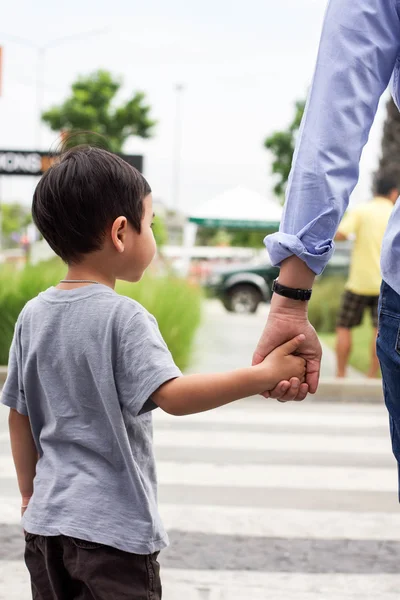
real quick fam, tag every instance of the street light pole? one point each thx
(41, 54)
(40, 65)
(179, 88)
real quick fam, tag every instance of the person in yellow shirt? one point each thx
(367, 224)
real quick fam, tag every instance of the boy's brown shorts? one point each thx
(64, 568)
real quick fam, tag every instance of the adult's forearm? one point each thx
(358, 51)
(295, 273)
(24, 452)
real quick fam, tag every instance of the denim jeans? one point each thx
(388, 346)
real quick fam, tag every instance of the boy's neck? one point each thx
(84, 275)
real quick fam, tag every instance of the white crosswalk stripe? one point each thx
(259, 441)
(344, 433)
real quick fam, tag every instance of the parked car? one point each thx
(242, 288)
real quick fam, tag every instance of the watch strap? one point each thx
(292, 293)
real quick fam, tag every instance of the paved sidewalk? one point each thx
(227, 341)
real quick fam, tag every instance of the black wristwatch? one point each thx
(291, 293)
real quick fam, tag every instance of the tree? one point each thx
(281, 144)
(14, 219)
(91, 108)
(389, 163)
(205, 235)
(242, 238)
(221, 238)
(245, 238)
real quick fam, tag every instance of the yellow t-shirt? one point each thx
(368, 224)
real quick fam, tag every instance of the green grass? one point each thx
(325, 303)
(323, 310)
(362, 339)
(174, 302)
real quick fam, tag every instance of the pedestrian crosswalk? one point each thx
(262, 501)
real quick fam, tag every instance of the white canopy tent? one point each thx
(238, 208)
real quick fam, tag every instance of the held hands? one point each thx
(284, 323)
(283, 365)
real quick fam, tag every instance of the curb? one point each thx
(330, 389)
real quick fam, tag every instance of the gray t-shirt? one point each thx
(83, 366)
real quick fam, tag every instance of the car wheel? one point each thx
(244, 299)
(226, 301)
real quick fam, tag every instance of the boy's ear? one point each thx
(118, 233)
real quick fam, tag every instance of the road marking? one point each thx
(237, 585)
(281, 523)
(260, 441)
(269, 417)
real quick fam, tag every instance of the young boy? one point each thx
(86, 369)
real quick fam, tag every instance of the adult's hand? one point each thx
(288, 318)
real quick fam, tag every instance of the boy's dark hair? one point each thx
(81, 195)
(385, 184)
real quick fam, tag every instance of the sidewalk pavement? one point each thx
(329, 365)
(227, 341)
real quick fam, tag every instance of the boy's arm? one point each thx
(198, 393)
(24, 453)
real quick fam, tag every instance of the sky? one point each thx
(242, 65)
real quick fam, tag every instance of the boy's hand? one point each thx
(283, 365)
(24, 504)
(286, 391)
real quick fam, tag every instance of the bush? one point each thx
(325, 303)
(174, 302)
(176, 305)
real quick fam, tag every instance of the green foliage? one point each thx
(281, 144)
(325, 303)
(14, 219)
(205, 235)
(160, 232)
(360, 356)
(243, 238)
(91, 108)
(16, 288)
(248, 239)
(175, 304)
(221, 238)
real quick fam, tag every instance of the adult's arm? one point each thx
(358, 51)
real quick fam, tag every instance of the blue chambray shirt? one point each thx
(359, 56)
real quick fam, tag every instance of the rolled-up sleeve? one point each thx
(358, 51)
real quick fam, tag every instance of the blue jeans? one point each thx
(388, 347)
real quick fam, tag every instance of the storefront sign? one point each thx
(22, 162)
